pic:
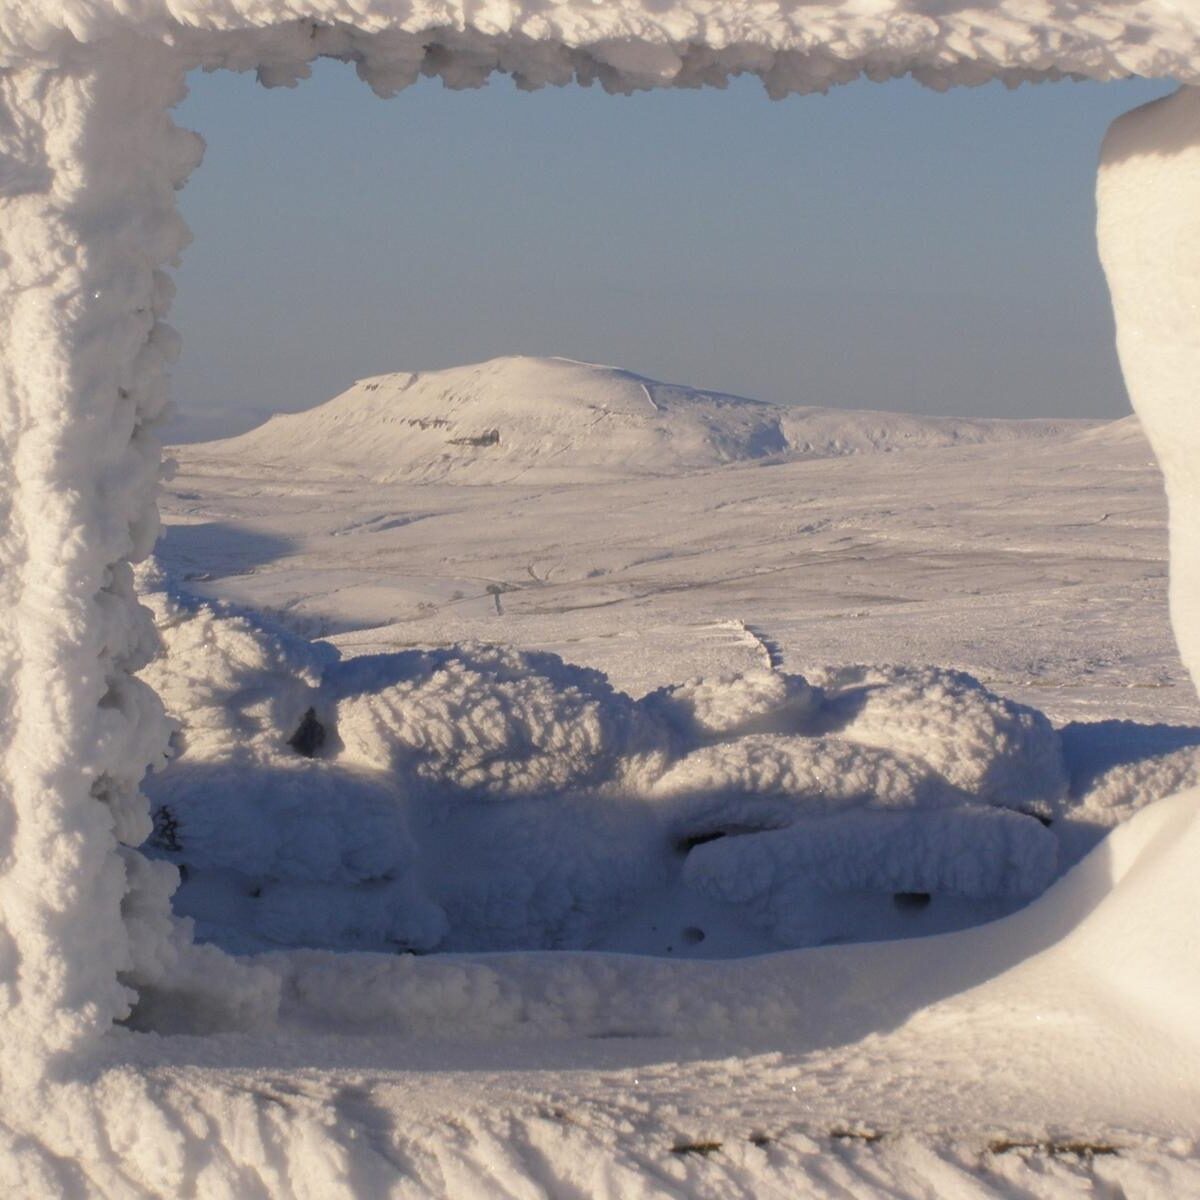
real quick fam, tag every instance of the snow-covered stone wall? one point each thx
(89, 161)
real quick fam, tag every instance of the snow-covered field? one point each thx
(1032, 554)
(757, 682)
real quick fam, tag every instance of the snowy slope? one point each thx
(549, 420)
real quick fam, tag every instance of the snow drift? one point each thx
(1111, 937)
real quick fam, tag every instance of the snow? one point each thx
(84, 380)
(1050, 1054)
(628, 44)
(1151, 255)
(1082, 925)
(1061, 1035)
(537, 420)
(801, 564)
(536, 805)
(475, 798)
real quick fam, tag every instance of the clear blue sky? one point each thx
(880, 247)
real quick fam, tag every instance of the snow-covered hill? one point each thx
(553, 420)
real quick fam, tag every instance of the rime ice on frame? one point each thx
(89, 162)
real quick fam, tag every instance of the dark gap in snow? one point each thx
(1053, 1147)
(490, 437)
(856, 1135)
(165, 834)
(704, 1149)
(310, 737)
(689, 841)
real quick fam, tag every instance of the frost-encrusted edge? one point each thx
(634, 43)
(89, 162)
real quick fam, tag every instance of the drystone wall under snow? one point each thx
(89, 162)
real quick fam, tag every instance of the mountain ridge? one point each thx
(550, 420)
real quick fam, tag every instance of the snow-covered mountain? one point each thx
(556, 420)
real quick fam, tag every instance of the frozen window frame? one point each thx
(89, 165)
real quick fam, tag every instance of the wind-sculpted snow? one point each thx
(1006, 754)
(736, 704)
(82, 381)
(482, 798)
(487, 720)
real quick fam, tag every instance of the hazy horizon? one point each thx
(883, 247)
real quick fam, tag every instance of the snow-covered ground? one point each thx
(717, 734)
(1050, 1055)
(1032, 554)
